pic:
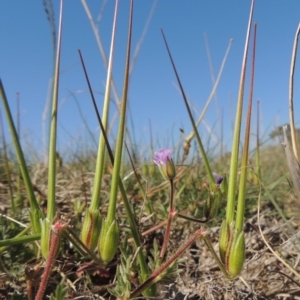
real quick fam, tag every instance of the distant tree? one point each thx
(277, 132)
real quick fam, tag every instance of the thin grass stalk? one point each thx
(7, 170)
(293, 165)
(48, 7)
(84, 119)
(99, 43)
(243, 179)
(100, 163)
(19, 239)
(237, 131)
(291, 92)
(146, 201)
(143, 35)
(19, 196)
(190, 136)
(205, 159)
(53, 128)
(35, 210)
(257, 174)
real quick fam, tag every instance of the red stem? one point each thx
(154, 277)
(58, 226)
(172, 213)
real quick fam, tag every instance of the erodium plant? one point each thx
(232, 240)
(103, 231)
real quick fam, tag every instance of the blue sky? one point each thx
(26, 65)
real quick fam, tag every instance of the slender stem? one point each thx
(192, 219)
(118, 154)
(257, 153)
(7, 169)
(172, 213)
(189, 138)
(57, 228)
(19, 239)
(237, 131)
(53, 130)
(242, 188)
(291, 91)
(95, 201)
(19, 152)
(205, 159)
(213, 252)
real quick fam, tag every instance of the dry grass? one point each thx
(263, 276)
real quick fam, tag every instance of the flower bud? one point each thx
(91, 229)
(165, 163)
(218, 178)
(109, 239)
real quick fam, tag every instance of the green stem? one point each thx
(53, 129)
(242, 188)
(7, 170)
(170, 218)
(19, 239)
(95, 201)
(20, 155)
(237, 131)
(218, 261)
(257, 152)
(118, 154)
(205, 159)
(36, 213)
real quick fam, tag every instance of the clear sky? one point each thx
(26, 61)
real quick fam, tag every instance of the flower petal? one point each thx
(162, 156)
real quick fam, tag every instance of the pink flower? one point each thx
(165, 163)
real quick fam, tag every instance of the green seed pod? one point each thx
(224, 240)
(91, 229)
(170, 169)
(237, 254)
(109, 239)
